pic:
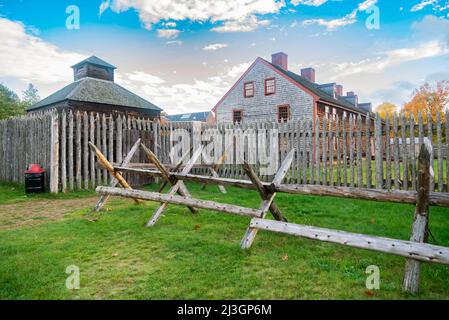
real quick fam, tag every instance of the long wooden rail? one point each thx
(409, 249)
(180, 200)
(398, 196)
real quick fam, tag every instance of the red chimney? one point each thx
(339, 90)
(280, 59)
(308, 73)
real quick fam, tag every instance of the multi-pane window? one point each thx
(283, 113)
(249, 89)
(270, 86)
(326, 112)
(334, 113)
(237, 116)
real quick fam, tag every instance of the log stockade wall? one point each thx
(59, 143)
(24, 140)
(354, 152)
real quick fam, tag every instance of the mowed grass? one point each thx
(14, 193)
(187, 256)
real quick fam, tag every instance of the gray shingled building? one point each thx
(94, 89)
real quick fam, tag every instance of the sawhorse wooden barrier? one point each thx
(184, 198)
(416, 250)
(117, 177)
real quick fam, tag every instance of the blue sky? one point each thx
(184, 55)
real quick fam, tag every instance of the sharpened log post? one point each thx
(54, 153)
(104, 198)
(108, 166)
(263, 191)
(213, 171)
(420, 229)
(176, 188)
(181, 188)
(267, 194)
(176, 169)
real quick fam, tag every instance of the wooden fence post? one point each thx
(421, 220)
(54, 153)
(378, 151)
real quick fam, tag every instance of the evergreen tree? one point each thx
(30, 95)
(10, 104)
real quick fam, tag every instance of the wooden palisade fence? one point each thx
(354, 152)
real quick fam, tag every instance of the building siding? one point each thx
(261, 107)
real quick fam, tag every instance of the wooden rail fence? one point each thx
(416, 250)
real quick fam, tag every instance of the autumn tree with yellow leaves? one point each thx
(429, 98)
(386, 109)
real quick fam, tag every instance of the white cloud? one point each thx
(333, 24)
(315, 3)
(174, 42)
(215, 46)
(168, 33)
(140, 76)
(366, 4)
(183, 97)
(170, 24)
(392, 58)
(247, 24)
(231, 12)
(348, 19)
(422, 5)
(30, 59)
(103, 7)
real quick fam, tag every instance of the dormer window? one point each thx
(249, 89)
(270, 86)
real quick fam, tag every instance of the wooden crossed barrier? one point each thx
(117, 178)
(184, 198)
(416, 250)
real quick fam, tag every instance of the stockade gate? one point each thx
(334, 152)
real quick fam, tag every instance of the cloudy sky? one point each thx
(183, 55)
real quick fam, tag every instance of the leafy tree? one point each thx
(30, 95)
(10, 104)
(429, 98)
(386, 109)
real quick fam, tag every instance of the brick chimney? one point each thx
(308, 73)
(280, 59)
(339, 90)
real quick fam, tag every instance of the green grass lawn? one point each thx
(187, 256)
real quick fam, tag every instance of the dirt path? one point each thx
(26, 213)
